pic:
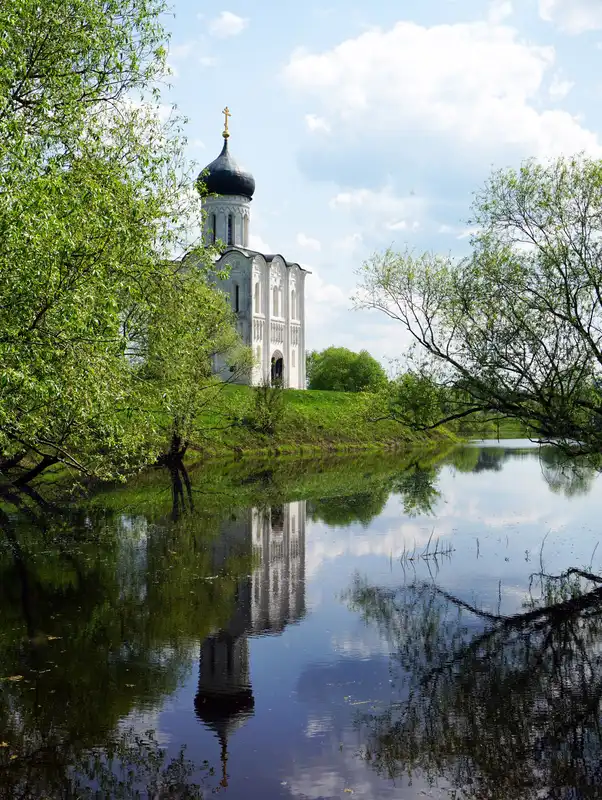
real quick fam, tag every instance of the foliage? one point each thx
(341, 370)
(413, 399)
(93, 209)
(192, 324)
(267, 411)
(515, 328)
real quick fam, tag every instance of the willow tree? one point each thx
(95, 215)
(515, 328)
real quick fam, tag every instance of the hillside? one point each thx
(309, 421)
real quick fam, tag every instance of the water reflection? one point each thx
(186, 606)
(266, 601)
(501, 706)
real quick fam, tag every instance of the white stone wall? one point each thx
(231, 217)
(267, 297)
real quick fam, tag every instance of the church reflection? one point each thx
(267, 600)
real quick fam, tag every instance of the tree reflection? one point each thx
(417, 487)
(362, 507)
(572, 477)
(502, 707)
(101, 614)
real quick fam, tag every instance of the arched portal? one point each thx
(277, 369)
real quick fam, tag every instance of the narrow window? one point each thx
(236, 297)
(275, 301)
(256, 300)
(213, 229)
(293, 307)
(293, 359)
(258, 353)
(230, 229)
(246, 231)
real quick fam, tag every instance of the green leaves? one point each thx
(101, 330)
(517, 325)
(341, 370)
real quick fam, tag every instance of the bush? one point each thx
(338, 369)
(268, 409)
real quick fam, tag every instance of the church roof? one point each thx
(267, 256)
(225, 177)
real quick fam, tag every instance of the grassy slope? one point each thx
(312, 420)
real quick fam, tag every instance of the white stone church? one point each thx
(267, 292)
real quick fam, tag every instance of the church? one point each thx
(266, 291)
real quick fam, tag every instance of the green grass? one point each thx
(312, 421)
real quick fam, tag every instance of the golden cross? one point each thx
(226, 113)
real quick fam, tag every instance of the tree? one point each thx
(104, 332)
(341, 370)
(515, 329)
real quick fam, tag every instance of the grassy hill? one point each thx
(309, 421)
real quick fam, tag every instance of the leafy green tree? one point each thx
(341, 370)
(105, 335)
(516, 325)
(413, 399)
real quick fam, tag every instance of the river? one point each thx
(378, 627)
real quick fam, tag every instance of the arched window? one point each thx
(256, 299)
(230, 229)
(293, 306)
(275, 301)
(236, 297)
(245, 232)
(213, 229)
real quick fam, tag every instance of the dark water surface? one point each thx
(378, 628)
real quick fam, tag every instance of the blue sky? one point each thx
(371, 124)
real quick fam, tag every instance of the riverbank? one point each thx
(309, 422)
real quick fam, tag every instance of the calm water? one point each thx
(373, 629)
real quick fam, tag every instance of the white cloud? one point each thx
(381, 209)
(227, 24)
(403, 225)
(319, 293)
(477, 85)
(572, 16)
(259, 244)
(349, 244)
(308, 242)
(181, 51)
(499, 10)
(316, 123)
(559, 87)
(207, 61)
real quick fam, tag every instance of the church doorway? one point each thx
(277, 369)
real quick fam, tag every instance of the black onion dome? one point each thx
(224, 176)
